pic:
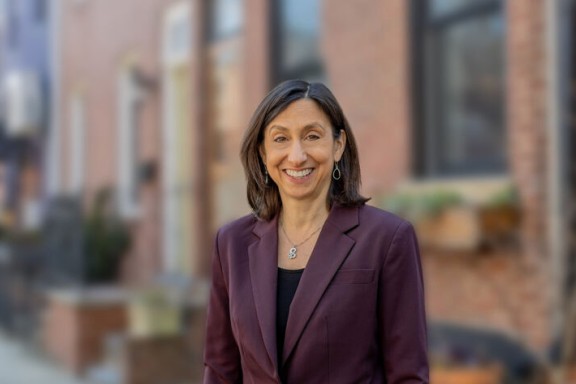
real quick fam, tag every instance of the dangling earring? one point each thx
(266, 176)
(336, 174)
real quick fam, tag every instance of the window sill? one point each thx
(473, 190)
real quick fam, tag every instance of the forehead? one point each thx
(300, 113)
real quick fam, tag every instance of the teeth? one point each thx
(302, 173)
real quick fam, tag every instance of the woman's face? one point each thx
(299, 151)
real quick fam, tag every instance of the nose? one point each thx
(297, 154)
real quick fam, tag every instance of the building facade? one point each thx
(25, 81)
(131, 121)
(155, 96)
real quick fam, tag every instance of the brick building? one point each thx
(155, 96)
(440, 96)
(130, 113)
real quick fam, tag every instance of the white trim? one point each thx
(128, 96)
(178, 18)
(77, 150)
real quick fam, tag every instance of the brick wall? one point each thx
(493, 290)
(366, 44)
(526, 121)
(527, 116)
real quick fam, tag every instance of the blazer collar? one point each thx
(332, 247)
(263, 276)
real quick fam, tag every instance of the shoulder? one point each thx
(394, 236)
(238, 228)
(233, 239)
(380, 227)
(376, 217)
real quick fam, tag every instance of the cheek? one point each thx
(271, 158)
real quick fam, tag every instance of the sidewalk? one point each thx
(21, 365)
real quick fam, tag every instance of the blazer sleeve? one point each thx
(403, 336)
(221, 354)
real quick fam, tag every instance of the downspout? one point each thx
(556, 156)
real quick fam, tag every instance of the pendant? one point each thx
(292, 253)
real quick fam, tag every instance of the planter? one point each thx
(467, 375)
(460, 216)
(77, 322)
(454, 228)
(469, 228)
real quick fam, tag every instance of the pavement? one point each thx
(21, 364)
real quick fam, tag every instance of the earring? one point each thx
(336, 174)
(266, 176)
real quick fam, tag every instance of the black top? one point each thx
(288, 280)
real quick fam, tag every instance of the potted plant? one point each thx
(500, 218)
(106, 239)
(441, 217)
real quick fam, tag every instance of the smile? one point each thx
(301, 173)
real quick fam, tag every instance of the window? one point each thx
(226, 18)
(459, 87)
(225, 50)
(296, 28)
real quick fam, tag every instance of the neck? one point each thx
(304, 215)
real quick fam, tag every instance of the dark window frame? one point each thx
(40, 10)
(275, 44)
(428, 81)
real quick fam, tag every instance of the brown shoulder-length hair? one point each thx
(265, 198)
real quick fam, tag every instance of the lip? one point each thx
(299, 175)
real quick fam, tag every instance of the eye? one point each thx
(313, 136)
(280, 139)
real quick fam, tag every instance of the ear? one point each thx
(262, 154)
(339, 145)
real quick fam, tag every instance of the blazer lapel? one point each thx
(263, 276)
(331, 249)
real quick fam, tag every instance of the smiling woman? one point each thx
(315, 286)
(299, 152)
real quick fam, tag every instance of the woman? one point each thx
(315, 286)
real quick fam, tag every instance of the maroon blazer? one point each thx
(357, 316)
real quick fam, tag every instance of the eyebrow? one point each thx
(314, 124)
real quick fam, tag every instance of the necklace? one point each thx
(292, 253)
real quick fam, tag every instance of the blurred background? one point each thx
(120, 128)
